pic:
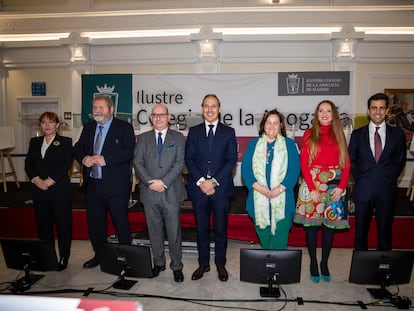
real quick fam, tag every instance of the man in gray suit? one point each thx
(159, 161)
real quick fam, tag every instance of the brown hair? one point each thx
(106, 98)
(337, 130)
(49, 115)
(281, 119)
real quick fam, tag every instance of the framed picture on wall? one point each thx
(401, 113)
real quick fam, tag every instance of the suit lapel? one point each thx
(365, 140)
(388, 140)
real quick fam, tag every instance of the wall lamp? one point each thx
(207, 43)
(345, 42)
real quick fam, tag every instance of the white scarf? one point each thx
(277, 173)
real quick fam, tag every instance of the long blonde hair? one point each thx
(337, 130)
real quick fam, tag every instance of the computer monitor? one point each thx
(271, 267)
(383, 268)
(125, 260)
(29, 255)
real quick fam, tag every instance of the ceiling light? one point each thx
(139, 33)
(33, 37)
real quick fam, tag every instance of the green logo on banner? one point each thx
(117, 86)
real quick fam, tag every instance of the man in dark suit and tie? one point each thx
(378, 153)
(105, 149)
(159, 161)
(210, 156)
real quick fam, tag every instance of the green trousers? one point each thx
(280, 239)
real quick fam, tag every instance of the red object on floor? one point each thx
(20, 223)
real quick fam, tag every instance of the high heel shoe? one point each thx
(325, 275)
(315, 279)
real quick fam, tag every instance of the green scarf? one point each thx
(277, 173)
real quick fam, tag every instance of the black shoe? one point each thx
(91, 263)
(178, 275)
(156, 270)
(222, 273)
(63, 263)
(199, 272)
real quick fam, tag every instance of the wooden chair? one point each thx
(7, 143)
(410, 189)
(76, 172)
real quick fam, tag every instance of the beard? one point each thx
(99, 118)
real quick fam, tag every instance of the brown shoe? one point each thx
(199, 272)
(222, 273)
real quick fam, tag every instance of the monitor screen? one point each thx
(383, 268)
(28, 255)
(36, 254)
(272, 267)
(132, 260)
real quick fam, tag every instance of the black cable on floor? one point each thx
(206, 302)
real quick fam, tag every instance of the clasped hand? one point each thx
(207, 187)
(269, 193)
(156, 185)
(335, 195)
(90, 161)
(44, 184)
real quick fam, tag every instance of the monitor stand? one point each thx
(380, 293)
(270, 291)
(25, 283)
(123, 283)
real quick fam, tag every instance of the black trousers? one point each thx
(384, 214)
(98, 205)
(56, 212)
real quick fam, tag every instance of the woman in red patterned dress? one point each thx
(325, 168)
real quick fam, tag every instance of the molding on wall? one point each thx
(230, 52)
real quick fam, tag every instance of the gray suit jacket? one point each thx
(167, 167)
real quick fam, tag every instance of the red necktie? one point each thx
(377, 144)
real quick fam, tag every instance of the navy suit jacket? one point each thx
(118, 152)
(370, 176)
(223, 159)
(56, 164)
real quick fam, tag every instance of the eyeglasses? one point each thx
(159, 115)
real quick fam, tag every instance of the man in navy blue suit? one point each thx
(210, 156)
(105, 149)
(378, 153)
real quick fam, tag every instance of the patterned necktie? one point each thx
(96, 148)
(159, 144)
(377, 144)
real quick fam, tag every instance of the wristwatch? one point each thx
(281, 189)
(214, 182)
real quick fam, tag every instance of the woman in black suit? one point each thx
(47, 164)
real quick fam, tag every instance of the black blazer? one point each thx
(118, 151)
(55, 164)
(223, 158)
(370, 176)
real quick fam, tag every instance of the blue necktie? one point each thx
(159, 145)
(96, 148)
